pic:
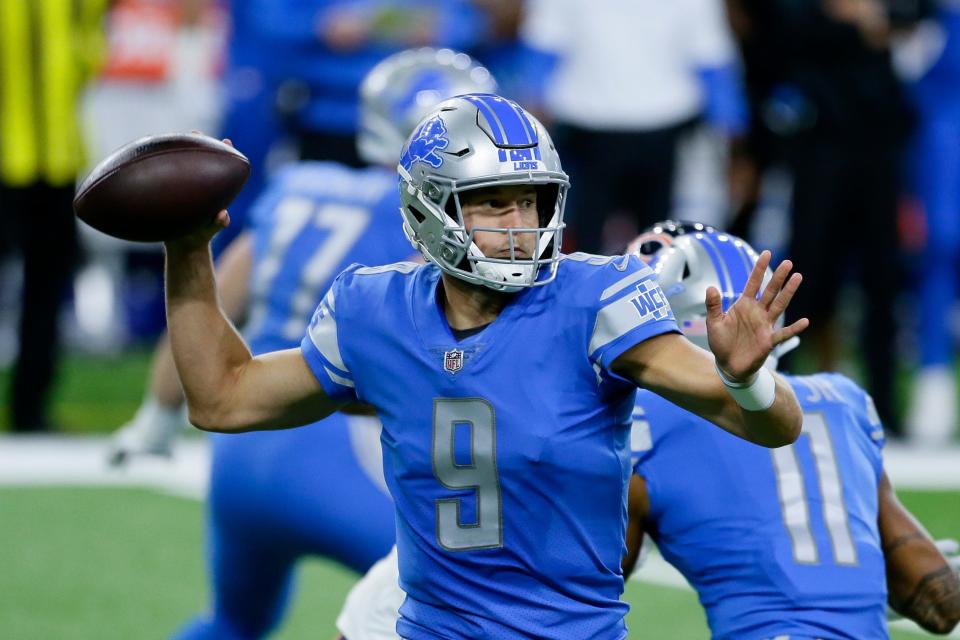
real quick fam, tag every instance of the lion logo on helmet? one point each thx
(425, 143)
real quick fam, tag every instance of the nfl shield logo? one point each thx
(453, 360)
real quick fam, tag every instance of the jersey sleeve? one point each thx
(321, 348)
(629, 308)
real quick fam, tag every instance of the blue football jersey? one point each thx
(777, 542)
(507, 452)
(314, 220)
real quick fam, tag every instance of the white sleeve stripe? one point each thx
(329, 300)
(620, 317)
(339, 379)
(613, 321)
(626, 282)
(323, 334)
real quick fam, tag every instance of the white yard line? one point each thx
(59, 460)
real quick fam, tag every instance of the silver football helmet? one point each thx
(403, 88)
(695, 261)
(476, 141)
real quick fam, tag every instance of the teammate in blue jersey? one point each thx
(499, 364)
(803, 541)
(275, 498)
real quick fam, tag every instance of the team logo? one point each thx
(650, 301)
(423, 147)
(453, 360)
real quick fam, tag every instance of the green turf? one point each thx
(939, 511)
(126, 563)
(92, 394)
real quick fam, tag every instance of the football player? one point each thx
(804, 541)
(795, 542)
(275, 498)
(497, 364)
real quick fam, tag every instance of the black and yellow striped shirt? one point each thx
(48, 49)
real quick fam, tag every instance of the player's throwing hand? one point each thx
(743, 337)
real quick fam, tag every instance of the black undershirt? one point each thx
(461, 334)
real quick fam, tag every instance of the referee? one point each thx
(47, 50)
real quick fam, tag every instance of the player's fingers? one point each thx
(714, 305)
(773, 287)
(228, 142)
(782, 335)
(222, 220)
(780, 303)
(756, 276)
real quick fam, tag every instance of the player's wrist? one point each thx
(735, 381)
(755, 394)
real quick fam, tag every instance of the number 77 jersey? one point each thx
(506, 451)
(776, 542)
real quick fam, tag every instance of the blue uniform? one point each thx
(276, 497)
(775, 541)
(506, 452)
(291, 30)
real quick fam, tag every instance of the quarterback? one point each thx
(499, 363)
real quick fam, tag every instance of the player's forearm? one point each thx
(672, 367)
(777, 426)
(934, 603)
(207, 350)
(921, 584)
(164, 385)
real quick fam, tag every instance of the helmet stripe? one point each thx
(733, 259)
(495, 126)
(723, 275)
(507, 120)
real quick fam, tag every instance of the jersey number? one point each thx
(479, 475)
(793, 498)
(341, 225)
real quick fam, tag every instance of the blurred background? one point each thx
(825, 130)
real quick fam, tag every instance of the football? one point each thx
(161, 187)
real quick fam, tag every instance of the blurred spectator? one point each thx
(930, 60)
(250, 116)
(623, 80)
(47, 53)
(824, 93)
(320, 50)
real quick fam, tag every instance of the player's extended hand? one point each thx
(743, 337)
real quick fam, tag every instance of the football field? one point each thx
(90, 553)
(87, 552)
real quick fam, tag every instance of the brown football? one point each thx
(161, 187)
